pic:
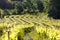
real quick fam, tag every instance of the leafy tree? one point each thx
(1, 13)
(55, 9)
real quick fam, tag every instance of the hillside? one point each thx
(29, 20)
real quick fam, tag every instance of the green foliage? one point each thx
(1, 32)
(55, 9)
(20, 35)
(1, 13)
(28, 6)
(28, 30)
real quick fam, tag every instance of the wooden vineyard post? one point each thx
(8, 31)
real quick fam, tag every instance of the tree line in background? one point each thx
(27, 6)
(55, 9)
(31, 6)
